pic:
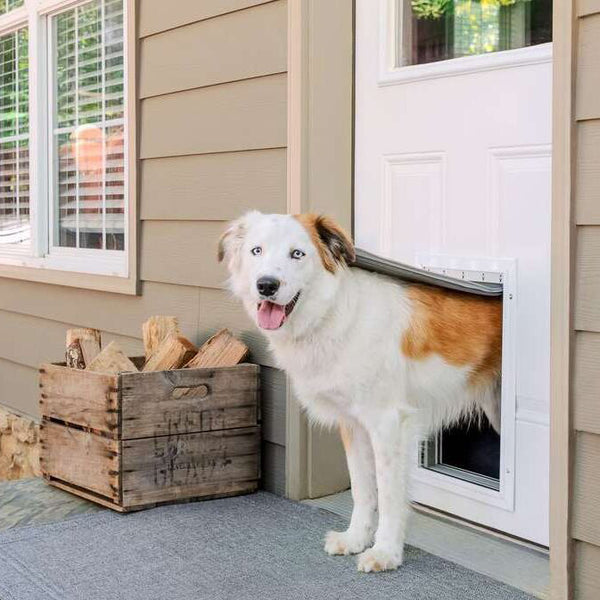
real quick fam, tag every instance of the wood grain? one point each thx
(587, 279)
(587, 71)
(79, 397)
(249, 43)
(181, 466)
(586, 382)
(82, 458)
(155, 330)
(586, 489)
(587, 571)
(587, 173)
(172, 402)
(214, 187)
(173, 353)
(157, 15)
(111, 360)
(243, 115)
(220, 350)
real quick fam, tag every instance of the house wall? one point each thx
(212, 141)
(575, 444)
(585, 506)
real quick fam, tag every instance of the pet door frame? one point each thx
(498, 270)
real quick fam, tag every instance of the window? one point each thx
(434, 30)
(71, 212)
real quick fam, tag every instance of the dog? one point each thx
(384, 360)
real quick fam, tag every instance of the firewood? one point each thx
(157, 329)
(221, 350)
(83, 345)
(173, 353)
(111, 360)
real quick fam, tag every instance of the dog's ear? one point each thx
(336, 240)
(332, 242)
(232, 239)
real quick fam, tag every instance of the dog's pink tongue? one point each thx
(270, 315)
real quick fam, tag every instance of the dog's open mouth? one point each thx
(273, 316)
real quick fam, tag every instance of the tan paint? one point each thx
(465, 330)
(332, 242)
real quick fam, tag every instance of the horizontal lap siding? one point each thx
(213, 119)
(585, 503)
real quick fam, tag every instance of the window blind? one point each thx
(88, 133)
(14, 139)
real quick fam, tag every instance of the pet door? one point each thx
(469, 451)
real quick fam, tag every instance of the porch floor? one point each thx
(55, 546)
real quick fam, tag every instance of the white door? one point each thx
(453, 156)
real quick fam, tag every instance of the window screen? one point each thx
(14, 139)
(88, 131)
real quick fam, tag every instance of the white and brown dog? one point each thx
(383, 360)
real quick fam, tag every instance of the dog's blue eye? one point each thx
(297, 254)
(256, 250)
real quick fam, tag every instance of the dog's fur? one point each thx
(383, 360)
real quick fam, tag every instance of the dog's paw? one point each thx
(346, 542)
(376, 559)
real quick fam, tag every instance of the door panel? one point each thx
(453, 163)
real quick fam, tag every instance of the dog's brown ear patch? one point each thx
(231, 240)
(334, 245)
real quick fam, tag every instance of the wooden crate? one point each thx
(135, 440)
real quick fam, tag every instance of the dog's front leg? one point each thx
(361, 465)
(391, 437)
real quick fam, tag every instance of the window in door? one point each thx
(435, 30)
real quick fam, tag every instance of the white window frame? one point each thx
(42, 260)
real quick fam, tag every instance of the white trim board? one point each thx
(509, 562)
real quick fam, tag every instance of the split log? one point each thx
(221, 350)
(111, 360)
(173, 353)
(156, 330)
(83, 345)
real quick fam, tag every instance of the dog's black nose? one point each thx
(267, 286)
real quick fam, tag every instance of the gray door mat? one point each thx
(258, 546)
(386, 266)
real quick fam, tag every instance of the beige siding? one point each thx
(585, 499)
(243, 115)
(247, 44)
(214, 186)
(212, 145)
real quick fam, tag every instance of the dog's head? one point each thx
(281, 265)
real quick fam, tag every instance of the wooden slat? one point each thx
(245, 115)
(119, 314)
(273, 468)
(588, 7)
(588, 69)
(174, 402)
(586, 382)
(19, 387)
(214, 186)
(170, 467)
(586, 491)
(273, 400)
(82, 458)
(182, 252)
(587, 187)
(79, 397)
(158, 15)
(587, 572)
(587, 278)
(248, 43)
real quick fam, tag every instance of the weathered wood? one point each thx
(83, 493)
(156, 330)
(80, 397)
(82, 458)
(169, 402)
(74, 356)
(85, 342)
(172, 353)
(111, 360)
(221, 350)
(158, 469)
